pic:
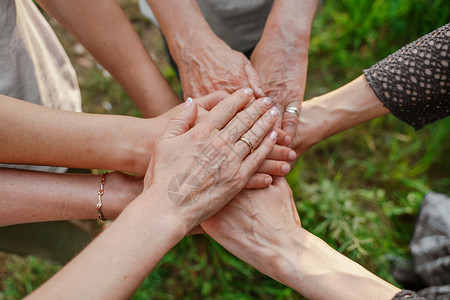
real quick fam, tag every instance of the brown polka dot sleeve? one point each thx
(414, 82)
(409, 295)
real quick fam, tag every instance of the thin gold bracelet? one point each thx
(99, 197)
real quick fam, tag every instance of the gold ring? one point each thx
(249, 144)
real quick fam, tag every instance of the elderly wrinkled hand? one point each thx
(198, 170)
(212, 65)
(251, 224)
(276, 163)
(283, 78)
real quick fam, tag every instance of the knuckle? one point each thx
(229, 110)
(282, 151)
(203, 132)
(245, 118)
(240, 93)
(222, 94)
(265, 122)
(219, 144)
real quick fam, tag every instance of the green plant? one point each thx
(359, 191)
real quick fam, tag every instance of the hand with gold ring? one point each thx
(249, 144)
(199, 169)
(277, 162)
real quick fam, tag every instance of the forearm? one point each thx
(183, 25)
(292, 19)
(289, 27)
(29, 196)
(33, 134)
(351, 105)
(115, 264)
(314, 269)
(105, 31)
(337, 111)
(285, 40)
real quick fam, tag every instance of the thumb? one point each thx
(253, 79)
(182, 121)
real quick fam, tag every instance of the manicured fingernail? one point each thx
(273, 135)
(248, 91)
(274, 112)
(287, 140)
(292, 155)
(285, 168)
(268, 180)
(267, 101)
(188, 102)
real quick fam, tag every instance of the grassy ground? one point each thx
(360, 190)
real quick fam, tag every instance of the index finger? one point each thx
(253, 79)
(223, 112)
(209, 101)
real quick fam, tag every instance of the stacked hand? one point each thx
(210, 65)
(215, 161)
(193, 174)
(283, 78)
(276, 163)
(254, 221)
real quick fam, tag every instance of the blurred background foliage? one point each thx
(360, 191)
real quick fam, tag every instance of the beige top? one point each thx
(33, 65)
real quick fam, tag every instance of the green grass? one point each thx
(359, 191)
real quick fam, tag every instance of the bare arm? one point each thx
(314, 269)
(178, 195)
(381, 91)
(281, 56)
(262, 227)
(103, 28)
(29, 196)
(114, 264)
(206, 63)
(33, 134)
(324, 116)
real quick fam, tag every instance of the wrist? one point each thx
(136, 141)
(156, 197)
(337, 111)
(311, 267)
(119, 191)
(149, 211)
(292, 17)
(349, 106)
(277, 258)
(192, 42)
(312, 126)
(189, 30)
(290, 249)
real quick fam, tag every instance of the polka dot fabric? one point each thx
(414, 82)
(406, 294)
